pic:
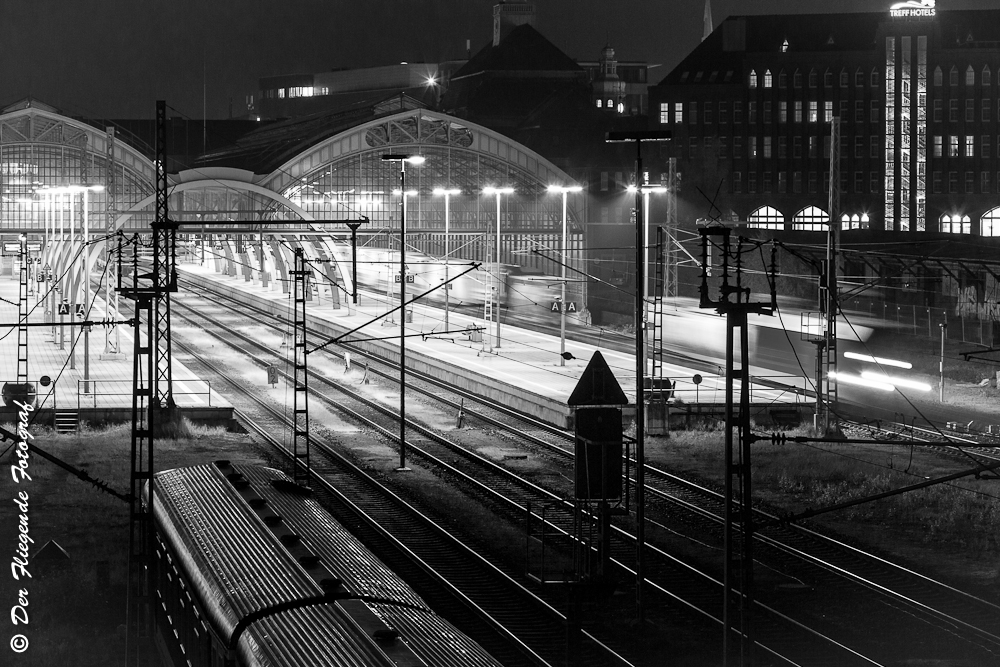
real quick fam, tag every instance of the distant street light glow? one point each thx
(878, 360)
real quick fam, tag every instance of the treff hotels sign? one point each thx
(912, 8)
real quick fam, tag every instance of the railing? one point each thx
(965, 326)
(106, 390)
(779, 389)
(43, 393)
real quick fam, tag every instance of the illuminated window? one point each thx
(753, 147)
(621, 107)
(811, 219)
(766, 217)
(797, 115)
(813, 111)
(989, 225)
(970, 76)
(956, 224)
(953, 146)
(827, 112)
(599, 103)
(938, 145)
(784, 46)
(611, 103)
(678, 112)
(969, 146)
(753, 78)
(281, 93)
(664, 111)
(767, 78)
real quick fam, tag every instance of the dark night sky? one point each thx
(114, 58)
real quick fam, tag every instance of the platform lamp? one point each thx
(490, 190)
(402, 160)
(447, 193)
(564, 191)
(646, 190)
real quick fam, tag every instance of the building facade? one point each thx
(914, 89)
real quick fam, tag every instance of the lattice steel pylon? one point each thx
(300, 409)
(662, 241)
(671, 254)
(22, 315)
(112, 337)
(733, 301)
(152, 395)
(829, 303)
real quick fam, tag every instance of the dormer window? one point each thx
(784, 46)
(767, 79)
(753, 78)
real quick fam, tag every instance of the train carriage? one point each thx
(253, 572)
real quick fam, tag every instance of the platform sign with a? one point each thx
(79, 310)
(556, 307)
(64, 309)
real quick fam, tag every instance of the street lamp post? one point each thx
(564, 191)
(646, 190)
(402, 159)
(499, 273)
(447, 247)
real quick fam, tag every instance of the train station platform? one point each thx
(523, 372)
(73, 387)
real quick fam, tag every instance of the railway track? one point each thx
(516, 495)
(802, 555)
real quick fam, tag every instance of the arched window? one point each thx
(813, 78)
(990, 224)
(859, 78)
(827, 79)
(938, 77)
(767, 78)
(611, 103)
(782, 79)
(970, 76)
(753, 78)
(797, 79)
(766, 217)
(873, 79)
(953, 76)
(986, 77)
(599, 103)
(845, 78)
(811, 219)
(956, 224)
(621, 107)
(784, 46)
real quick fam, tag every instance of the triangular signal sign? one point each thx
(597, 385)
